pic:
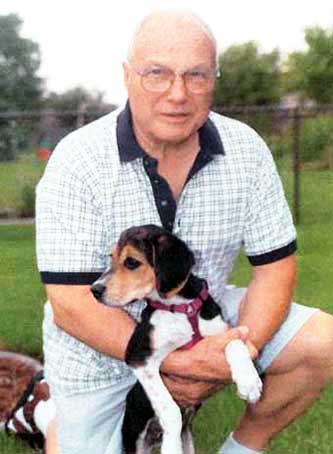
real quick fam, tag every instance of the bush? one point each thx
(8, 141)
(281, 147)
(317, 140)
(27, 208)
(15, 137)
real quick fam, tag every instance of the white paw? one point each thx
(249, 386)
(171, 444)
(243, 372)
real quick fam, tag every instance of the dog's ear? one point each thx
(173, 261)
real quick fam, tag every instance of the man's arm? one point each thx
(77, 312)
(263, 310)
(268, 299)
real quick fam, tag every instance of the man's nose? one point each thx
(178, 90)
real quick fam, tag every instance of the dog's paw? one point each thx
(249, 386)
(243, 372)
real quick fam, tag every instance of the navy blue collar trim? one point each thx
(129, 149)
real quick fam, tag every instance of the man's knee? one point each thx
(318, 341)
(311, 348)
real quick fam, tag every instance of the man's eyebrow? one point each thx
(165, 65)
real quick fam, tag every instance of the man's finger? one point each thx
(240, 332)
(252, 349)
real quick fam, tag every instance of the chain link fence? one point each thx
(301, 139)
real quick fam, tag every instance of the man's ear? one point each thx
(126, 74)
(173, 261)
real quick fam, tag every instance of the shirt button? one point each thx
(164, 203)
(156, 181)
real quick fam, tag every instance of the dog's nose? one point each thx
(97, 290)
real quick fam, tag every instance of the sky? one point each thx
(83, 43)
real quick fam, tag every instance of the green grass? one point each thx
(13, 176)
(22, 296)
(11, 446)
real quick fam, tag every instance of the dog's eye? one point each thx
(131, 264)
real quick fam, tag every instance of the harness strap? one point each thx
(191, 310)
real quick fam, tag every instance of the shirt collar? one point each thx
(129, 149)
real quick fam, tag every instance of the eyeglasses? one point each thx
(159, 79)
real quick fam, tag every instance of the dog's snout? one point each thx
(98, 290)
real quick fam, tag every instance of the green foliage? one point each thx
(311, 72)
(20, 87)
(248, 77)
(13, 177)
(27, 209)
(280, 146)
(8, 140)
(317, 140)
(74, 100)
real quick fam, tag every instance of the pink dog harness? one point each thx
(191, 310)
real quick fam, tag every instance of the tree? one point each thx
(76, 101)
(20, 87)
(248, 77)
(67, 111)
(311, 72)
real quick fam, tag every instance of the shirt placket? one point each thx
(166, 205)
(164, 200)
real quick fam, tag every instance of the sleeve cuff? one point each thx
(273, 256)
(69, 278)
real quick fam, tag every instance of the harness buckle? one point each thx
(190, 310)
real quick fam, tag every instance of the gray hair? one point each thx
(185, 15)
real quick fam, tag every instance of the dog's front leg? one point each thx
(167, 332)
(165, 408)
(243, 371)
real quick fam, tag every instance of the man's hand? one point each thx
(193, 375)
(186, 391)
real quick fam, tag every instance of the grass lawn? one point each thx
(22, 296)
(14, 176)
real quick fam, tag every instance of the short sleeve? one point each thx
(269, 234)
(69, 229)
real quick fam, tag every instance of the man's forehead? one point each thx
(172, 35)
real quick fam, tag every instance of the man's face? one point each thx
(173, 116)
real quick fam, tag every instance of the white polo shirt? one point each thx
(99, 182)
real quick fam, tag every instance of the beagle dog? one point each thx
(152, 264)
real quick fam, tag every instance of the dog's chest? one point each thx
(175, 329)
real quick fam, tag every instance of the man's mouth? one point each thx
(176, 116)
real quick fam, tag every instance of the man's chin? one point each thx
(173, 135)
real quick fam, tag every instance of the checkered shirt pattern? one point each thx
(87, 197)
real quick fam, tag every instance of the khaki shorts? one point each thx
(297, 317)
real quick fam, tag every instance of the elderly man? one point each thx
(166, 159)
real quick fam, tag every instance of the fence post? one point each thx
(296, 162)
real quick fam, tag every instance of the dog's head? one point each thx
(145, 258)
